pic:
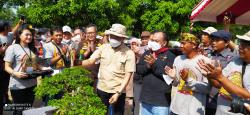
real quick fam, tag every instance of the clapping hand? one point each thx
(64, 50)
(211, 71)
(170, 72)
(150, 59)
(184, 74)
(136, 49)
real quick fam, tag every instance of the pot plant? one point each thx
(78, 95)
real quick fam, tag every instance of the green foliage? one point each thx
(171, 16)
(7, 14)
(78, 97)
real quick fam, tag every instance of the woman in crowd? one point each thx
(20, 59)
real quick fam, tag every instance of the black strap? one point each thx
(63, 58)
(243, 72)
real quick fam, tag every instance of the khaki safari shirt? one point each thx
(114, 63)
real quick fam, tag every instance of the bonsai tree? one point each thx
(78, 95)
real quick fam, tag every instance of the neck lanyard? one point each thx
(244, 64)
(26, 52)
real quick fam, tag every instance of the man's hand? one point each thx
(226, 20)
(247, 106)
(21, 21)
(64, 50)
(114, 98)
(129, 102)
(211, 71)
(136, 49)
(184, 74)
(150, 59)
(170, 72)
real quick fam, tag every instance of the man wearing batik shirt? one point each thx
(233, 80)
(55, 51)
(190, 98)
(220, 42)
(220, 52)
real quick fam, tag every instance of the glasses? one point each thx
(91, 33)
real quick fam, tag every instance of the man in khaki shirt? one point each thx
(117, 63)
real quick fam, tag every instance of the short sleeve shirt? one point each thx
(224, 56)
(114, 63)
(19, 59)
(194, 102)
(7, 39)
(233, 71)
(50, 52)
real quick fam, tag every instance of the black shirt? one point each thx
(154, 90)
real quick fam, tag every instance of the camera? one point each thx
(237, 106)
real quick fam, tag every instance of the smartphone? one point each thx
(22, 17)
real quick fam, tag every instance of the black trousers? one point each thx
(210, 111)
(4, 84)
(118, 107)
(22, 98)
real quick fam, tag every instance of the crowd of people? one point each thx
(199, 76)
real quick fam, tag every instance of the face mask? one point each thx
(114, 43)
(43, 37)
(154, 45)
(65, 41)
(77, 38)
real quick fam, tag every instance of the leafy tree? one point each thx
(7, 11)
(7, 14)
(71, 12)
(171, 16)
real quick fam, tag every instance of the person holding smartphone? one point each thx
(6, 39)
